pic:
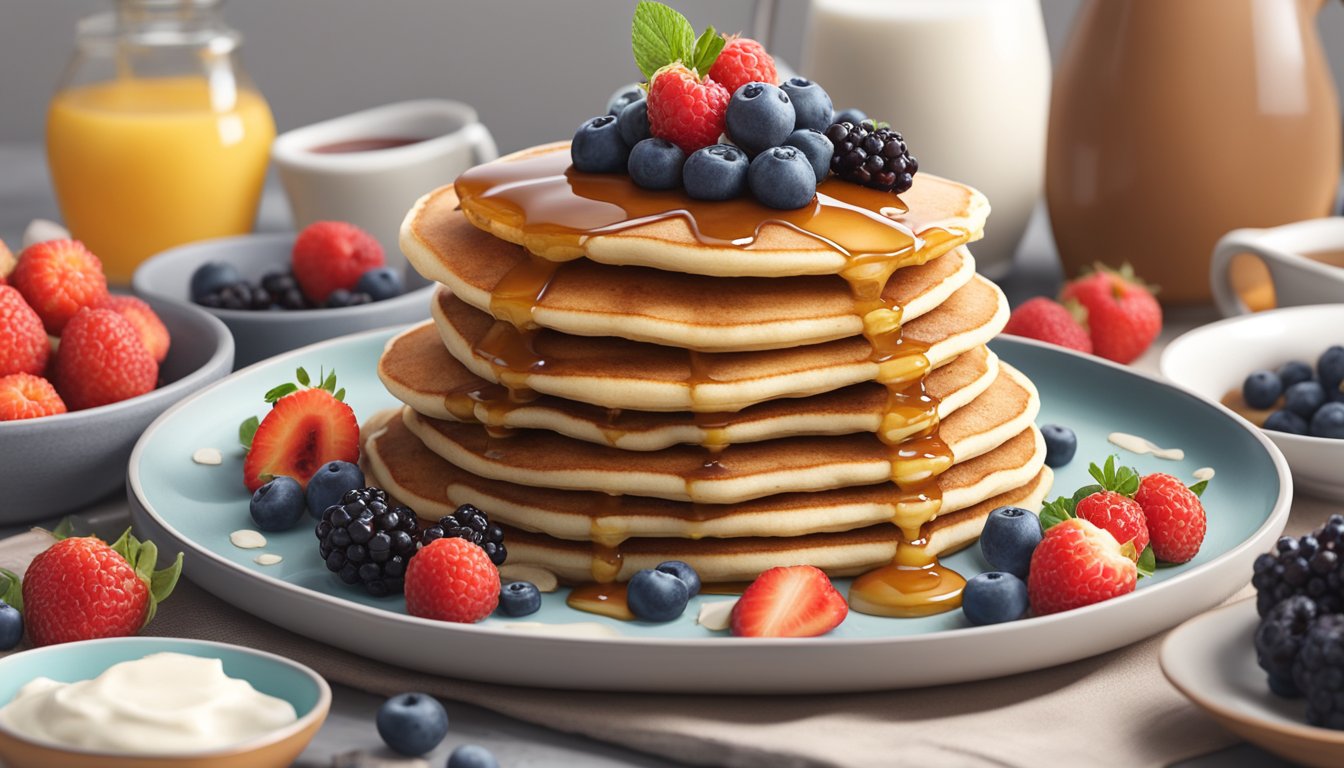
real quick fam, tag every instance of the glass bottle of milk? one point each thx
(967, 82)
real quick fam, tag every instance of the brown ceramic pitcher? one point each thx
(1175, 121)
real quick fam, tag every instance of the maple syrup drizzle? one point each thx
(556, 209)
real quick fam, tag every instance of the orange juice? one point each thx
(141, 165)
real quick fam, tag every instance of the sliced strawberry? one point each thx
(302, 432)
(789, 601)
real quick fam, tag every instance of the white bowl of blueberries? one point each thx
(278, 292)
(1283, 370)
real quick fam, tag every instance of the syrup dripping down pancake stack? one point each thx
(622, 377)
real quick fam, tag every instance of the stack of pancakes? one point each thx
(621, 377)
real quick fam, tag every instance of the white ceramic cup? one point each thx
(1297, 279)
(374, 189)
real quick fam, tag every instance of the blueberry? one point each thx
(760, 116)
(684, 572)
(211, 277)
(716, 172)
(277, 505)
(520, 598)
(994, 597)
(329, 483)
(1294, 372)
(1060, 445)
(633, 122)
(380, 283)
(1330, 368)
(1262, 389)
(782, 178)
(622, 97)
(472, 756)
(342, 298)
(811, 104)
(816, 147)
(598, 148)
(852, 116)
(11, 626)
(1286, 421)
(412, 723)
(656, 164)
(1329, 421)
(1303, 398)
(1010, 536)
(657, 595)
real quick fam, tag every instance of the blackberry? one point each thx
(343, 298)
(1309, 565)
(468, 522)
(872, 156)
(364, 541)
(240, 295)
(1319, 671)
(276, 283)
(1278, 639)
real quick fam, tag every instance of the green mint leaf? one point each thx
(12, 593)
(1147, 562)
(659, 36)
(161, 585)
(1198, 488)
(247, 430)
(707, 49)
(302, 376)
(1099, 473)
(1055, 512)
(64, 529)
(278, 392)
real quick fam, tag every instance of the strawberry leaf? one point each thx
(1056, 512)
(1147, 563)
(659, 36)
(161, 585)
(329, 383)
(340, 394)
(247, 430)
(1198, 488)
(12, 591)
(128, 547)
(707, 49)
(64, 529)
(275, 393)
(1121, 480)
(302, 376)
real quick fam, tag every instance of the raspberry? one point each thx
(1122, 315)
(25, 396)
(686, 110)
(743, 61)
(151, 330)
(23, 342)
(333, 254)
(1175, 516)
(58, 278)
(101, 360)
(451, 580)
(1049, 321)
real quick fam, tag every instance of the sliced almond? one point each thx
(716, 617)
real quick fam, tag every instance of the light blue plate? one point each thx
(194, 507)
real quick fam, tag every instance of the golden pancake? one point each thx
(618, 373)
(710, 314)
(417, 369)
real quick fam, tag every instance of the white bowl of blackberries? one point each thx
(278, 292)
(1282, 370)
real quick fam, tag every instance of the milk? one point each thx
(967, 82)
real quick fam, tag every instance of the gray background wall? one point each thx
(534, 68)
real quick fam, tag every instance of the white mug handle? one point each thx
(482, 143)
(1220, 269)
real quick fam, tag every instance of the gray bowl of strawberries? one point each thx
(262, 334)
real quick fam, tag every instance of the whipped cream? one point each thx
(164, 703)
(1136, 444)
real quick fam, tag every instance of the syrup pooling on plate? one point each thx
(556, 209)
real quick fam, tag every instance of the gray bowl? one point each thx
(260, 335)
(57, 464)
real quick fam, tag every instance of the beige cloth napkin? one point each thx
(1115, 709)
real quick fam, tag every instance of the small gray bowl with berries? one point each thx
(263, 324)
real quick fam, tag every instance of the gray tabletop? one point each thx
(25, 194)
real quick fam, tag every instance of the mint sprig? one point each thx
(661, 36)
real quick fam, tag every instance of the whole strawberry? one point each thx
(1108, 504)
(331, 255)
(25, 396)
(1123, 318)
(452, 580)
(685, 109)
(24, 347)
(1078, 564)
(58, 278)
(1175, 517)
(102, 360)
(1047, 320)
(151, 330)
(82, 589)
(743, 61)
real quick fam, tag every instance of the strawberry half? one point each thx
(306, 429)
(789, 601)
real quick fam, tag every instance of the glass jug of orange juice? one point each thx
(156, 137)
